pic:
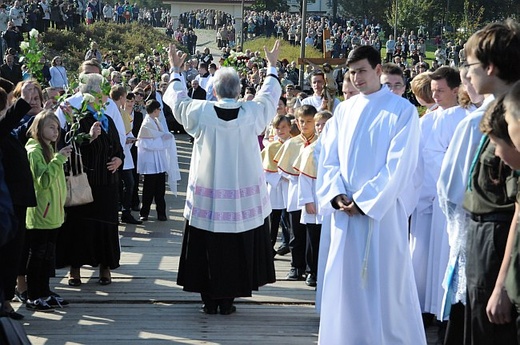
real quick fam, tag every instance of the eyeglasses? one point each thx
(397, 86)
(139, 94)
(466, 65)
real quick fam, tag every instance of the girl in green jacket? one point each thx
(44, 220)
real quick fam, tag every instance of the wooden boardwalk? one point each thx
(144, 305)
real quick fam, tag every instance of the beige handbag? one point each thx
(78, 188)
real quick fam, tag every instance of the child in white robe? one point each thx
(157, 156)
(307, 200)
(277, 186)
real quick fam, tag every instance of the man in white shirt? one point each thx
(317, 99)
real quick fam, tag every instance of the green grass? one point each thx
(291, 53)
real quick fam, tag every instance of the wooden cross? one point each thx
(327, 55)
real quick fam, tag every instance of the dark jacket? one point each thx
(14, 74)
(198, 93)
(16, 165)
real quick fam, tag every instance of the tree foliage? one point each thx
(437, 16)
(270, 5)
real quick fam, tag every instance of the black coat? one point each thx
(18, 174)
(14, 74)
(198, 93)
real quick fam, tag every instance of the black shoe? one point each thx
(162, 218)
(311, 280)
(39, 304)
(21, 296)
(210, 310)
(283, 250)
(12, 314)
(105, 281)
(129, 219)
(227, 310)
(294, 274)
(74, 282)
(143, 218)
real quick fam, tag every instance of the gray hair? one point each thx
(227, 83)
(90, 83)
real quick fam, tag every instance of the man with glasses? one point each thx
(475, 181)
(393, 77)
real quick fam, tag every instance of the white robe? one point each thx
(157, 152)
(428, 237)
(452, 184)
(369, 152)
(227, 191)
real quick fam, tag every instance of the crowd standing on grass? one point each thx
(440, 178)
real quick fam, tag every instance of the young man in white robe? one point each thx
(428, 237)
(369, 153)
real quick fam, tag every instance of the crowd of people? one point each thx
(392, 215)
(61, 14)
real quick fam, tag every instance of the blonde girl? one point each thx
(44, 220)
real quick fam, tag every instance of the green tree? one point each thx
(412, 13)
(271, 5)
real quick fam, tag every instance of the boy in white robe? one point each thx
(307, 200)
(370, 152)
(277, 186)
(157, 156)
(285, 158)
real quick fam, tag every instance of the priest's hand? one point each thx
(272, 56)
(499, 307)
(176, 61)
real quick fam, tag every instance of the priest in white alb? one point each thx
(226, 250)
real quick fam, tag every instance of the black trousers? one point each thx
(312, 249)
(455, 330)
(298, 242)
(485, 248)
(274, 219)
(154, 188)
(42, 247)
(127, 181)
(11, 254)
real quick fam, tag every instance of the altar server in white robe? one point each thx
(428, 237)
(369, 154)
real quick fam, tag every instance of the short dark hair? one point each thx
(278, 119)
(152, 105)
(305, 110)
(365, 52)
(393, 69)
(450, 74)
(130, 95)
